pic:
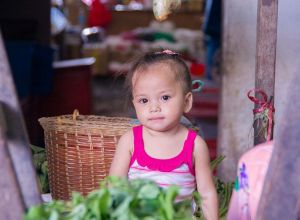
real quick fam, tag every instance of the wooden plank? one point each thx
(17, 139)
(265, 53)
(9, 188)
(281, 193)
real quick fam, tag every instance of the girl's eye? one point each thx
(143, 101)
(165, 97)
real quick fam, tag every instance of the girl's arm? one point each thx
(121, 160)
(205, 183)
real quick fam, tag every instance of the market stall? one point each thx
(19, 187)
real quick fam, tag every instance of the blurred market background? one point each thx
(73, 54)
(67, 54)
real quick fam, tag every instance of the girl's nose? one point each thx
(155, 107)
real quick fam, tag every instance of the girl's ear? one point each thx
(188, 102)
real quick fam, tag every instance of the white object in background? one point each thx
(162, 8)
(58, 21)
(46, 197)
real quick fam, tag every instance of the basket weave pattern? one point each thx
(80, 150)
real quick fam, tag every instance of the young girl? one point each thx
(162, 149)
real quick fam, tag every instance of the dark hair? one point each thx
(173, 59)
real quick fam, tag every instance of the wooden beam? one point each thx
(17, 142)
(9, 188)
(265, 54)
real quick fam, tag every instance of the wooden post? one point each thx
(15, 140)
(265, 53)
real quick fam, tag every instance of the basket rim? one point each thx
(87, 123)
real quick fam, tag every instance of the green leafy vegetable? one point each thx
(41, 166)
(117, 199)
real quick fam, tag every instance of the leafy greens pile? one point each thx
(117, 199)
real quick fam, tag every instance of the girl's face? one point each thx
(158, 98)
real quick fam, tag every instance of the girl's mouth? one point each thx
(156, 118)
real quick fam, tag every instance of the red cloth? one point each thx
(99, 15)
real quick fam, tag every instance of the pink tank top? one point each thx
(178, 170)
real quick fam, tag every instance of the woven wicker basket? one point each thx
(80, 150)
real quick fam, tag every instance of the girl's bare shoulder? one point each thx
(126, 140)
(200, 146)
(127, 137)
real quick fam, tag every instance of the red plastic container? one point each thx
(72, 88)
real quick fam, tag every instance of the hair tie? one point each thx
(200, 84)
(168, 52)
